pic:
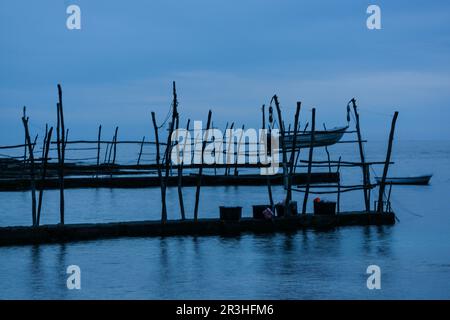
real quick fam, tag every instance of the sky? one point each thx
(227, 56)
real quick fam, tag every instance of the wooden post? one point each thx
(298, 153)
(228, 143)
(238, 149)
(291, 169)
(386, 164)
(111, 145)
(338, 202)
(140, 150)
(106, 153)
(366, 178)
(168, 152)
(283, 147)
(328, 153)
(310, 157)
(180, 172)
(200, 170)
(263, 109)
(163, 195)
(61, 153)
(32, 176)
(45, 151)
(98, 148)
(264, 140)
(115, 146)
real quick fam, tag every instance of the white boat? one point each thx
(321, 138)
(418, 180)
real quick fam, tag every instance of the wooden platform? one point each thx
(202, 227)
(153, 181)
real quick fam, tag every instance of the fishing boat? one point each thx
(418, 180)
(322, 138)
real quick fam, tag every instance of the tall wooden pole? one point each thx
(47, 140)
(98, 148)
(283, 147)
(338, 202)
(163, 195)
(200, 170)
(264, 141)
(169, 144)
(291, 169)
(228, 146)
(61, 153)
(238, 150)
(140, 150)
(32, 175)
(115, 145)
(386, 164)
(310, 157)
(180, 172)
(366, 178)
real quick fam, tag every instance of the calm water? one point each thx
(414, 255)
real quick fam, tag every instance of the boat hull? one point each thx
(420, 180)
(321, 138)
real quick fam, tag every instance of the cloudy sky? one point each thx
(230, 56)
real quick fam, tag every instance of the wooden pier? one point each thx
(188, 227)
(152, 181)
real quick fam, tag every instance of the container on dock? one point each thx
(279, 207)
(258, 210)
(230, 213)
(324, 207)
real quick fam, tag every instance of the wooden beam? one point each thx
(386, 166)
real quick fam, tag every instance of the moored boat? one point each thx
(417, 180)
(322, 138)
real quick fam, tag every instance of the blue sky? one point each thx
(229, 56)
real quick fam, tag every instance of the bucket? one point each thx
(230, 213)
(325, 208)
(279, 207)
(258, 210)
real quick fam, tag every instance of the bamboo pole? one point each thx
(287, 210)
(238, 150)
(338, 202)
(98, 148)
(366, 178)
(32, 175)
(106, 152)
(180, 173)
(228, 144)
(311, 150)
(386, 166)
(168, 151)
(264, 140)
(61, 154)
(140, 150)
(163, 195)
(115, 146)
(45, 151)
(200, 171)
(283, 147)
(328, 153)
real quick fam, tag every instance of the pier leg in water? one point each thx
(200, 171)
(310, 157)
(61, 152)
(163, 195)
(32, 177)
(386, 164)
(366, 178)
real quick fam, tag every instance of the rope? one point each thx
(169, 114)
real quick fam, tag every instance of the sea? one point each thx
(413, 255)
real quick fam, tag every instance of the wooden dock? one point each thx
(154, 181)
(201, 227)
